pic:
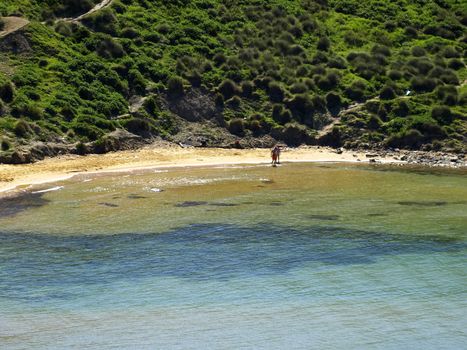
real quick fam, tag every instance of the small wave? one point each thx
(157, 190)
(56, 188)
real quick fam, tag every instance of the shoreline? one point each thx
(14, 178)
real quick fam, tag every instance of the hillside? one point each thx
(358, 74)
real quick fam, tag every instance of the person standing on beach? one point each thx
(275, 152)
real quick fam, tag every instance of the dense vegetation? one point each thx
(282, 68)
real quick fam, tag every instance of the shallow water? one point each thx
(301, 256)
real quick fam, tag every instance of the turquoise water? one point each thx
(297, 257)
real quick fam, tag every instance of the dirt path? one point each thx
(96, 8)
(12, 24)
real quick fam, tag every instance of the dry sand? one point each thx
(158, 155)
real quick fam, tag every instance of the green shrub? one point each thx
(333, 101)
(138, 126)
(227, 88)
(130, 33)
(88, 131)
(374, 122)
(381, 50)
(255, 127)
(402, 109)
(408, 139)
(418, 51)
(442, 114)
(451, 52)
(323, 43)
(109, 48)
(456, 64)
(237, 127)
(298, 88)
(102, 21)
(387, 93)
(294, 134)
(301, 106)
(5, 144)
(234, 102)
(275, 91)
(22, 128)
(247, 88)
(356, 91)
(319, 103)
(175, 86)
(219, 100)
(7, 92)
(447, 94)
(422, 84)
(395, 74)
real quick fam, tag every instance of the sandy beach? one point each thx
(159, 155)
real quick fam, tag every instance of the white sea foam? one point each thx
(56, 188)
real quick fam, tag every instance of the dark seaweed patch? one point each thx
(215, 204)
(24, 201)
(252, 250)
(276, 204)
(423, 203)
(135, 196)
(324, 217)
(190, 204)
(111, 205)
(377, 214)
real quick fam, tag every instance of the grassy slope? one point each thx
(276, 68)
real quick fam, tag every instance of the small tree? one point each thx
(175, 86)
(237, 127)
(227, 88)
(323, 43)
(442, 114)
(387, 93)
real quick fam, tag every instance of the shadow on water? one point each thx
(10, 206)
(197, 252)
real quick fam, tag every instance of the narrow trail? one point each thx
(103, 4)
(356, 106)
(13, 24)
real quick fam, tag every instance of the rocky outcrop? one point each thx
(195, 105)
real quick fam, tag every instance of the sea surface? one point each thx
(302, 256)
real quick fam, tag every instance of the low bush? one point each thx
(387, 93)
(442, 114)
(7, 92)
(138, 126)
(175, 86)
(294, 134)
(227, 88)
(422, 84)
(408, 139)
(447, 94)
(22, 128)
(5, 145)
(323, 43)
(275, 91)
(418, 51)
(247, 88)
(402, 109)
(456, 64)
(237, 127)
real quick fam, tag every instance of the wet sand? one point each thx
(159, 155)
